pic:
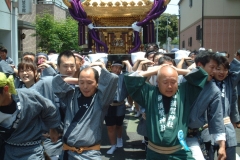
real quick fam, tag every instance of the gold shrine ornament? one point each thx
(67, 3)
(110, 3)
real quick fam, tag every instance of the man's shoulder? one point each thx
(211, 88)
(45, 80)
(29, 92)
(9, 58)
(29, 95)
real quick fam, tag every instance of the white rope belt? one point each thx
(25, 144)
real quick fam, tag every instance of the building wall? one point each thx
(44, 8)
(5, 40)
(5, 17)
(190, 32)
(221, 31)
(221, 7)
(29, 43)
(189, 15)
(222, 35)
(5, 26)
(8, 26)
(59, 13)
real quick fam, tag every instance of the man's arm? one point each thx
(180, 63)
(150, 72)
(128, 65)
(107, 86)
(234, 113)
(10, 61)
(234, 72)
(49, 113)
(136, 64)
(216, 125)
(100, 64)
(220, 139)
(143, 65)
(71, 80)
(61, 88)
(47, 70)
(137, 87)
(181, 71)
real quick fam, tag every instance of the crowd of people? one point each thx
(54, 106)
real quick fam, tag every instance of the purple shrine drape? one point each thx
(155, 12)
(78, 13)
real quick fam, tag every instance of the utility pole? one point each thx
(167, 36)
(157, 24)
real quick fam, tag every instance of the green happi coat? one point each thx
(148, 96)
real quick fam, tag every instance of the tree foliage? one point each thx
(58, 35)
(168, 25)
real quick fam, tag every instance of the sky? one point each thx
(172, 7)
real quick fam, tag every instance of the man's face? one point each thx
(168, 82)
(4, 97)
(150, 57)
(193, 56)
(116, 69)
(32, 57)
(67, 66)
(3, 55)
(87, 83)
(209, 68)
(237, 56)
(41, 59)
(156, 58)
(79, 63)
(221, 73)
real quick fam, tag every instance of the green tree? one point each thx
(58, 35)
(175, 41)
(167, 25)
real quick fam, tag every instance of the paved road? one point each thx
(133, 149)
(132, 142)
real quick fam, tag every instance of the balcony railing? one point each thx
(59, 4)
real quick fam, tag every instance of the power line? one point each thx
(8, 13)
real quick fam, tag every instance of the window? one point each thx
(190, 41)
(183, 44)
(190, 3)
(198, 32)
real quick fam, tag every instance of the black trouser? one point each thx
(2, 148)
(207, 148)
(230, 152)
(239, 104)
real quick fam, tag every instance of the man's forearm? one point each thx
(129, 67)
(135, 66)
(150, 72)
(182, 71)
(180, 63)
(222, 150)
